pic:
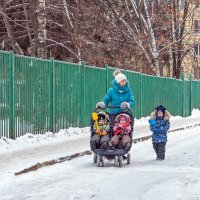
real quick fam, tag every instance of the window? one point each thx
(197, 4)
(196, 73)
(197, 49)
(181, 4)
(196, 25)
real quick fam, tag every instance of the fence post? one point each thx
(11, 96)
(52, 108)
(106, 67)
(183, 97)
(82, 93)
(190, 100)
(141, 91)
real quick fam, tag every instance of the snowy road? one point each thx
(176, 178)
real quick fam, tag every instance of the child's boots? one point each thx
(93, 144)
(104, 145)
(111, 145)
(128, 146)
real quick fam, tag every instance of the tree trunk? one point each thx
(33, 6)
(27, 25)
(153, 41)
(42, 32)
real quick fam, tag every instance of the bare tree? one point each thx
(178, 30)
(134, 21)
(10, 34)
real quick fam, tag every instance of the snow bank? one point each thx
(31, 140)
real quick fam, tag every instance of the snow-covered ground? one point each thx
(176, 178)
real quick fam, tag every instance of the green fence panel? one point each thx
(31, 95)
(94, 90)
(4, 94)
(135, 80)
(174, 96)
(186, 97)
(195, 94)
(67, 95)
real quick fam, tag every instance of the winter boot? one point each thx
(104, 145)
(111, 146)
(160, 158)
(93, 144)
(128, 146)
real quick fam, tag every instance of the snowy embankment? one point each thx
(141, 128)
(175, 178)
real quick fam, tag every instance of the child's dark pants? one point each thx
(160, 149)
(99, 140)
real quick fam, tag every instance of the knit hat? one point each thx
(160, 108)
(101, 117)
(117, 71)
(119, 77)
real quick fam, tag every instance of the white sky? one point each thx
(175, 178)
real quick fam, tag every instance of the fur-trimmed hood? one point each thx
(166, 117)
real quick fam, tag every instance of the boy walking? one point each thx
(159, 124)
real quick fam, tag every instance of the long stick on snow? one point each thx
(52, 162)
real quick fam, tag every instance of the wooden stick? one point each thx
(52, 162)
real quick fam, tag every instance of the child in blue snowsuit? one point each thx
(159, 124)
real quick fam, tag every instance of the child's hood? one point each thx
(166, 117)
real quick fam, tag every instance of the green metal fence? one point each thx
(39, 95)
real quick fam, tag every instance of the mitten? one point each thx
(98, 132)
(152, 121)
(103, 132)
(125, 106)
(100, 105)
